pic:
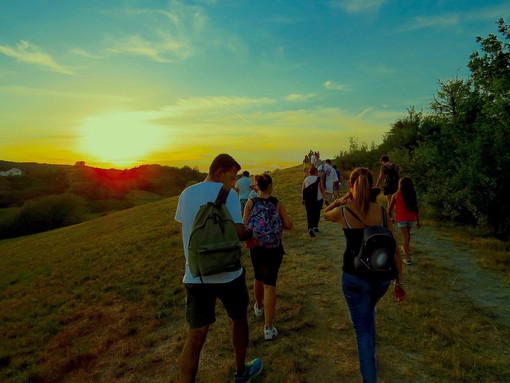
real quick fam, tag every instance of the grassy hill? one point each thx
(102, 301)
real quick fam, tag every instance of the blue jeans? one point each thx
(361, 296)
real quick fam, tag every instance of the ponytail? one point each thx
(362, 181)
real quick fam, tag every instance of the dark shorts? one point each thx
(390, 189)
(201, 301)
(266, 263)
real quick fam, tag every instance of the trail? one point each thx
(486, 289)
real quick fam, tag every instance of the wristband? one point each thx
(399, 284)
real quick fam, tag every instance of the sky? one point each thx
(123, 83)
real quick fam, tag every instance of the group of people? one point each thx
(260, 222)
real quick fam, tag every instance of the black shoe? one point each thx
(312, 234)
(316, 229)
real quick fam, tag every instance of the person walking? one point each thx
(313, 199)
(244, 187)
(229, 287)
(361, 291)
(388, 175)
(267, 217)
(405, 203)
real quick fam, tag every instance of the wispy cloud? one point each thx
(334, 86)
(357, 6)
(27, 91)
(155, 50)
(456, 18)
(84, 53)
(30, 53)
(299, 97)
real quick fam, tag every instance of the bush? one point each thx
(44, 214)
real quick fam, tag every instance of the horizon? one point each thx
(175, 83)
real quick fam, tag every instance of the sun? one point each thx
(120, 139)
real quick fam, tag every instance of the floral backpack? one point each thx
(266, 223)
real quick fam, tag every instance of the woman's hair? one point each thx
(313, 171)
(263, 181)
(361, 181)
(409, 194)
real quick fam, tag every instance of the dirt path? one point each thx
(485, 288)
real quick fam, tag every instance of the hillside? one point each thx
(103, 301)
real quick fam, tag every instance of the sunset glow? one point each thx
(121, 139)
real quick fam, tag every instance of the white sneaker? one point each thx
(258, 311)
(270, 333)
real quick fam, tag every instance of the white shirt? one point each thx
(310, 180)
(243, 184)
(189, 203)
(331, 177)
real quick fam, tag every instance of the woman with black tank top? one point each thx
(361, 292)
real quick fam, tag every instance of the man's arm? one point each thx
(242, 232)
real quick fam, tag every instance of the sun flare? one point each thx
(120, 139)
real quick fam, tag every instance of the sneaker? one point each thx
(408, 261)
(316, 229)
(253, 368)
(270, 333)
(258, 311)
(311, 232)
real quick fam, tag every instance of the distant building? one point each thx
(12, 172)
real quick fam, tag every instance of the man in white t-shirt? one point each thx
(229, 287)
(330, 177)
(244, 186)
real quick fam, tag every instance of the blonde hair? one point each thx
(361, 181)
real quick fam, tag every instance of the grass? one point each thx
(102, 301)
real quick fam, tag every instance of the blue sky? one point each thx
(123, 83)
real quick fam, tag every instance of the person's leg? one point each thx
(269, 305)
(240, 335)
(357, 293)
(234, 296)
(405, 231)
(317, 216)
(258, 289)
(190, 355)
(309, 214)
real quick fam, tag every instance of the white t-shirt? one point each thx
(331, 177)
(243, 184)
(189, 203)
(310, 180)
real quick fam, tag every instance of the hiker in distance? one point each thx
(229, 286)
(313, 199)
(244, 186)
(405, 203)
(388, 175)
(267, 217)
(362, 287)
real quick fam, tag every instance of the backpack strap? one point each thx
(354, 215)
(222, 195)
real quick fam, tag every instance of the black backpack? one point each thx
(376, 254)
(310, 192)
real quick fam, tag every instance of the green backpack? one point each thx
(214, 245)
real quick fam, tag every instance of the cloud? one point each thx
(457, 18)
(84, 53)
(26, 91)
(357, 6)
(333, 86)
(156, 51)
(29, 53)
(299, 97)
